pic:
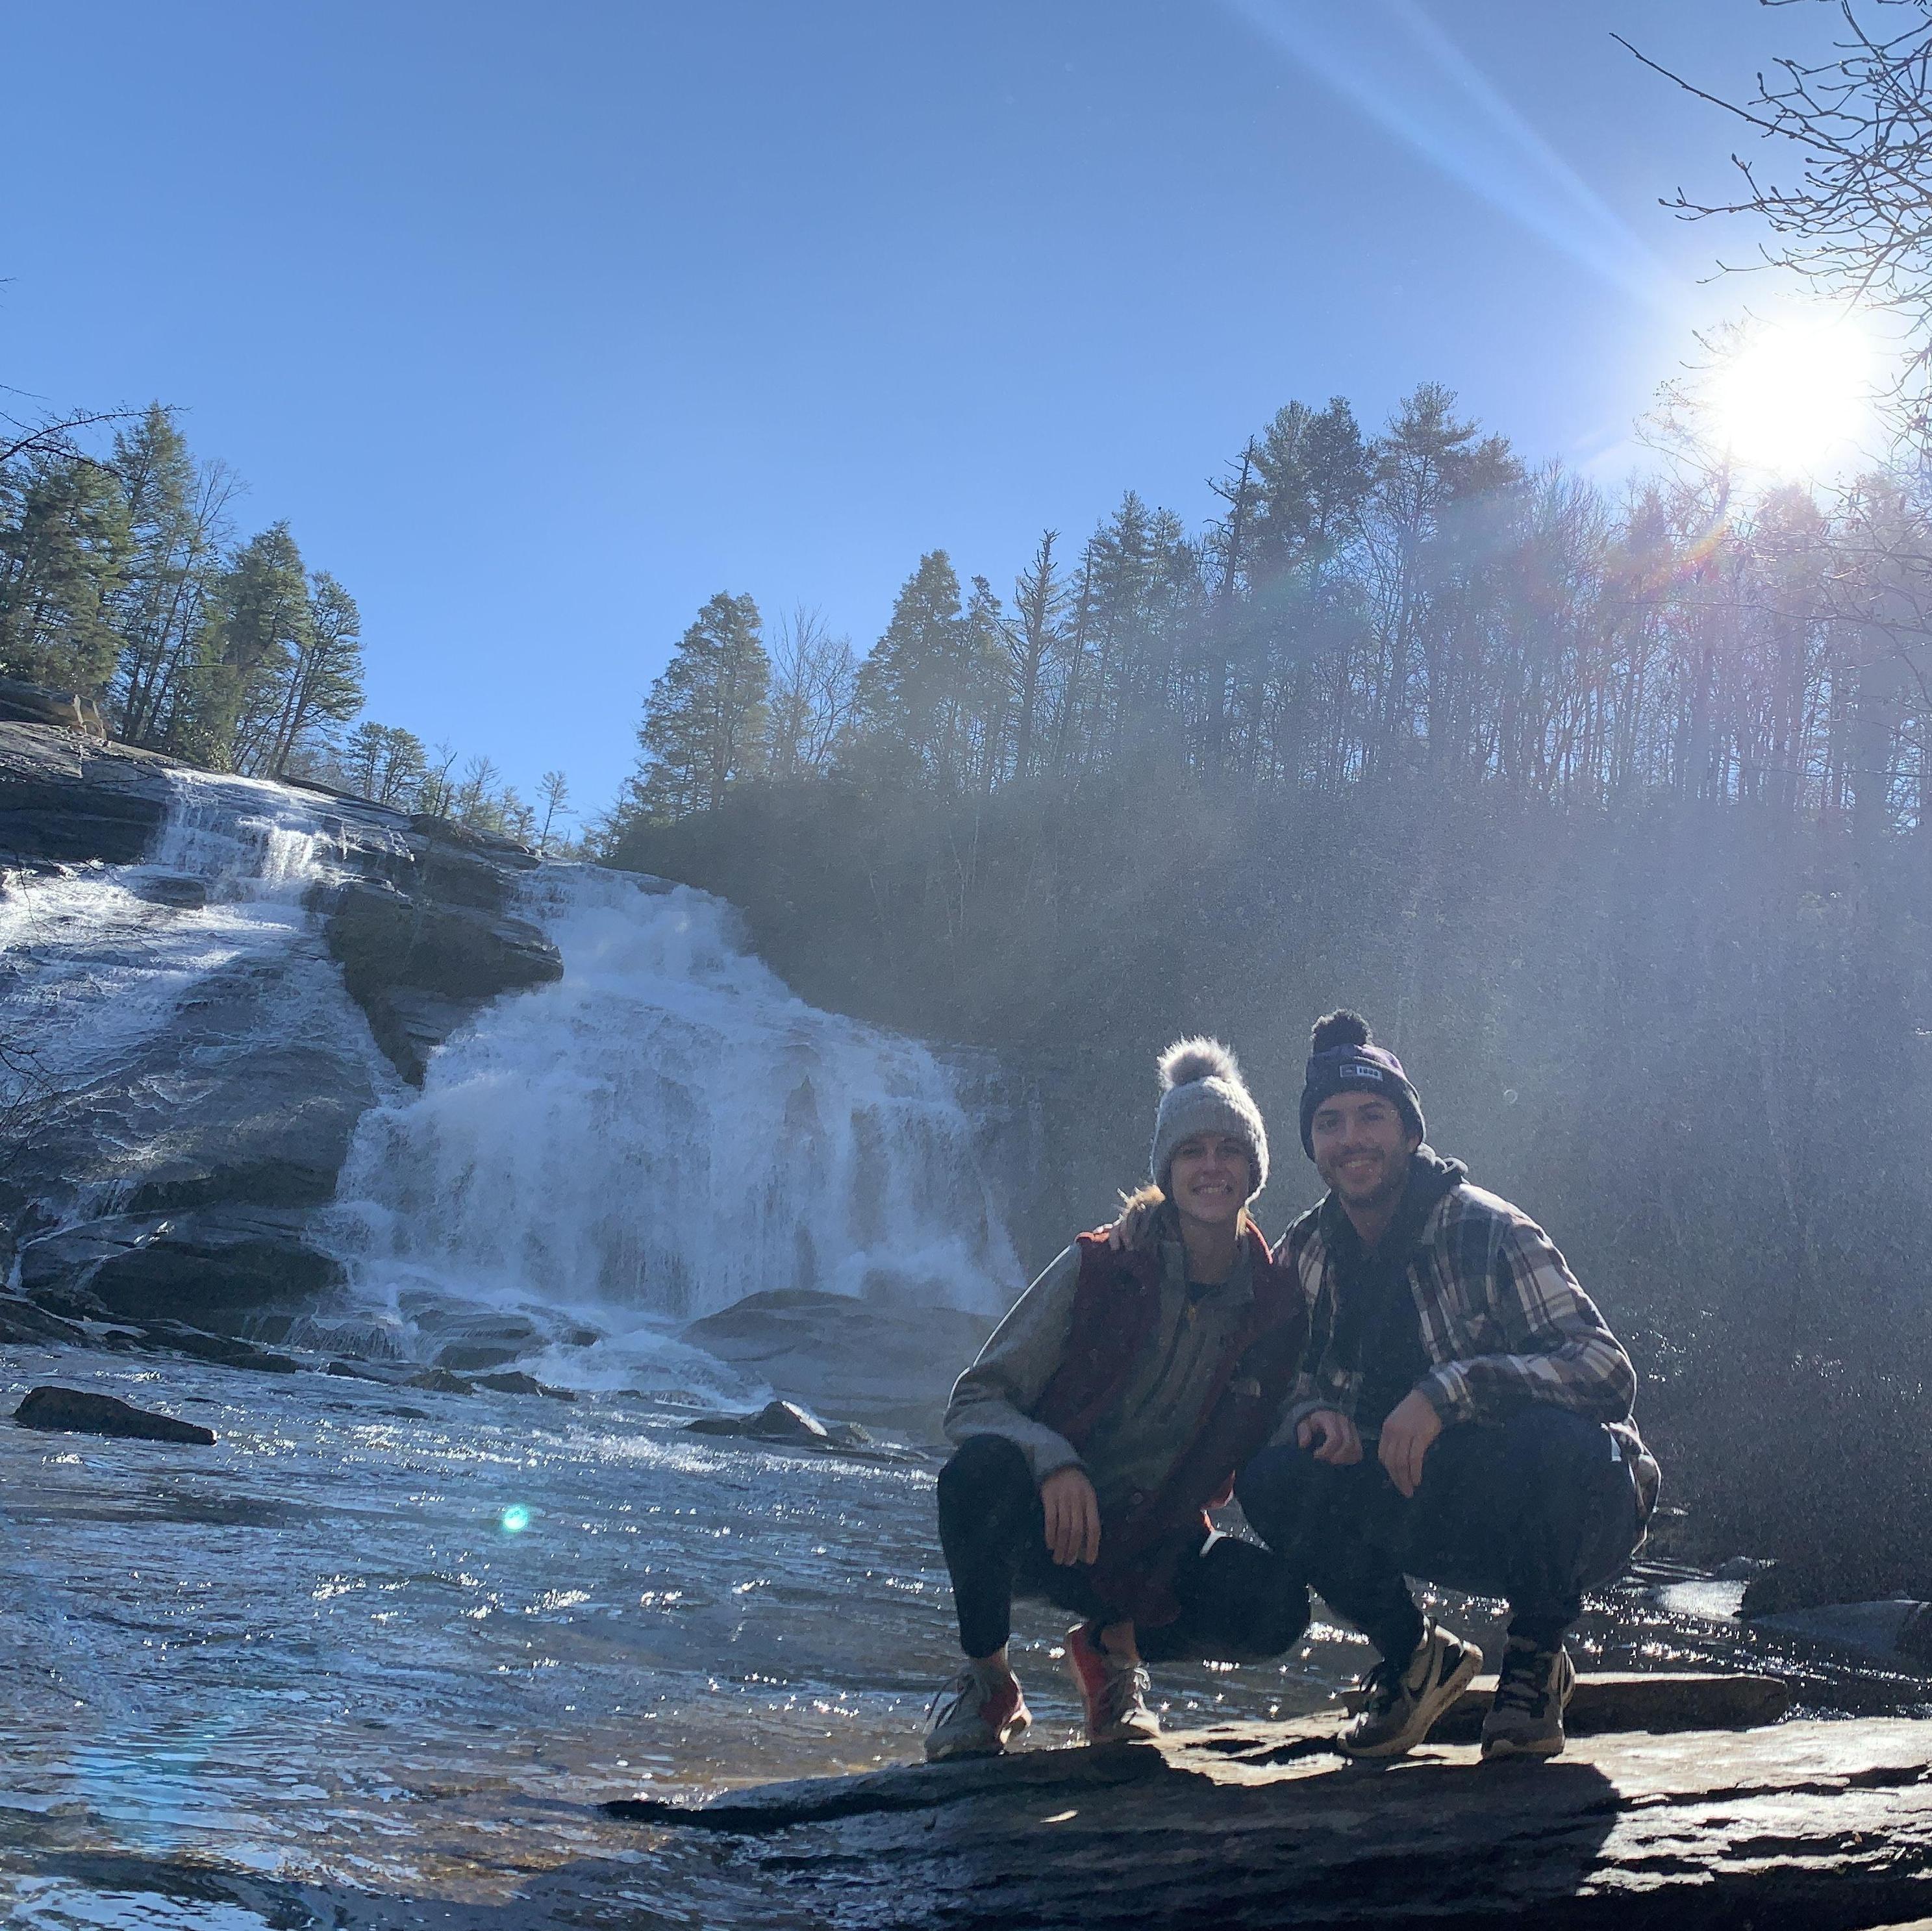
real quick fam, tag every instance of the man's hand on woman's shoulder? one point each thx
(1134, 1229)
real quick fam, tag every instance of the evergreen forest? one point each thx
(124, 578)
(1609, 807)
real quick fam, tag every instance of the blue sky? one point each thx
(540, 326)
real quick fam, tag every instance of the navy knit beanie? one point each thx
(1342, 1059)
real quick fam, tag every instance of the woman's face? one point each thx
(1210, 1178)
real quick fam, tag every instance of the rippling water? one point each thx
(394, 1644)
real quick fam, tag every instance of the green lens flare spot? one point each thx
(514, 1519)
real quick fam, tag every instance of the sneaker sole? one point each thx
(992, 1746)
(1504, 1747)
(1127, 1734)
(1458, 1680)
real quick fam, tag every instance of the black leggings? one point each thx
(1537, 1509)
(1238, 1603)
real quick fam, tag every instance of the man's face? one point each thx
(1362, 1146)
(1210, 1178)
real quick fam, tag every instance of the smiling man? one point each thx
(1463, 1415)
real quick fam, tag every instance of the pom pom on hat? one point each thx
(1339, 1028)
(1190, 1059)
(1202, 1092)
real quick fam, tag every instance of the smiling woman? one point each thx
(1795, 396)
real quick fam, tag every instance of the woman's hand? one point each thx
(1072, 1516)
(1330, 1436)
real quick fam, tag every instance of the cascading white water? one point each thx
(95, 962)
(666, 1129)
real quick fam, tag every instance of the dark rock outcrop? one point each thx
(212, 1269)
(520, 1383)
(386, 939)
(776, 1421)
(76, 1411)
(175, 1337)
(35, 704)
(1256, 1825)
(65, 798)
(438, 1382)
(890, 1365)
(23, 1324)
(419, 917)
(785, 1423)
(216, 1132)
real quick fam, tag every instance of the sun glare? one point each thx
(1795, 398)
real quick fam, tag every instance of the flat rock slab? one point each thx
(76, 1411)
(888, 1366)
(1813, 1824)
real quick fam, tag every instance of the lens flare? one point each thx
(514, 1519)
(1795, 398)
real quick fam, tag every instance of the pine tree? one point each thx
(384, 762)
(553, 795)
(982, 724)
(177, 514)
(258, 627)
(1033, 639)
(320, 679)
(64, 554)
(922, 682)
(705, 722)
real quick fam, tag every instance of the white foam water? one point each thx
(666, 1130)
(91, 967)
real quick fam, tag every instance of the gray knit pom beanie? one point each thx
(1202, 1092)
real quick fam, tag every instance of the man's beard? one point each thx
(1388, 1190)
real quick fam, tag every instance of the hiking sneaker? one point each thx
(1532, 1692)
(1114, 1693)
(1399, 1703)
(968, 1719)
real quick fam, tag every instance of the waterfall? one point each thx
(666, 1129)
(95, 963)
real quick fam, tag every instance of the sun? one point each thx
(1794, 397)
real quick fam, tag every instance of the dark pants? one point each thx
(1536, 1509)
(1238, 1604)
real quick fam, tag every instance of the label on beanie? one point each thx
(1355, 1069)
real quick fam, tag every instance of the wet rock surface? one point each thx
(785, 1424)
(214, 1269)
(398, 1650)
(215, 1054)
(417, 918)
(1897, 1631)
(1257, 1825)
(82, 1412)
(66, 798)
(892, 1367)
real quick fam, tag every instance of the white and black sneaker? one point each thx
(974, 1715)
(1113, 1693)
(1533, 1690)
(1400, 1702)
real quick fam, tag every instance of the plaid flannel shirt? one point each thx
(1503, 1320)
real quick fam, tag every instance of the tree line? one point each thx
(1421, 600)
(124, 579)
(1609, 807)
